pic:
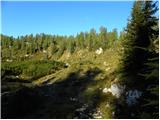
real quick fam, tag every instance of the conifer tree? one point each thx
(139, 68)
(103, 37)
(151, 73)
(134, 56)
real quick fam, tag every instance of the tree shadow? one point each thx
(62, 99)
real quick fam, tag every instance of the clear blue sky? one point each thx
(62, 18)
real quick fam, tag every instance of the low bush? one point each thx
(31, 69)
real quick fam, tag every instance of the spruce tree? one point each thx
(151, 73)
(103, 40)
(139, 67)
(137, 40)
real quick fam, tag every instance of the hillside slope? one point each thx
(75, 91)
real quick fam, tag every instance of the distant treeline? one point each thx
(31, 44)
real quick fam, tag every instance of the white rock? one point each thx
(100, 88)
(26, 55)
(106, 90)
(9, 60)
(107, 105)
(98, 117)
(80, 109)
(115, 89)
(44, 51)
(99, 51)
(107, 69)
(116, 79)
(67, 64)
(17, 76)
(104, 63)
(68, 55)
(73, 99)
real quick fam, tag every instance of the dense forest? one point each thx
(95, 74)
(13, 48)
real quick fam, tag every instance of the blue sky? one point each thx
(62, 18)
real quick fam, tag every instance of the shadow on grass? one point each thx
(63, 99)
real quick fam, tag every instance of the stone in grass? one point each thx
(107, 69)
(108, 105)
(99, 51)
(9, 60)
(73, 99)
(67, 65)
(115, 89)
(98, 117)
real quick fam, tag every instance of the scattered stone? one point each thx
(17, 76)
(132, 96)
(106, 90)
(107, 69)
(67, 65)
(44, 51)
(107, 105)
(115, 89)
(99, 51)
(116, 80)
(81, 109)
(104, 63)
(73, 99)
(68, 55)
(98, 117)
(100, 88)
(122, 48)
(26, 55)
(9, 60)
(97, 114)
(102, 76)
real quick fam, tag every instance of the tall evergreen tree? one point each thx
(136, 39)
(135, 72)
(103, 40)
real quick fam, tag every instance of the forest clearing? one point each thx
(91, 75)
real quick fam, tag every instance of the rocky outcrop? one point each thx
(116, 90)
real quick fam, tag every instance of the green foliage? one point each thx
(17, 48)
(112, 37)
(33, 69)
(71, 44)
(139, 65)
(151, 104)
(80, 40)
(103, 37)
(139, 35)
(61, 47)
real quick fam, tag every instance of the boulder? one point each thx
(115, 89)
